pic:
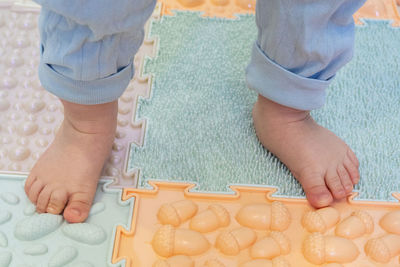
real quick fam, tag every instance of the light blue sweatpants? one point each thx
(88, 48)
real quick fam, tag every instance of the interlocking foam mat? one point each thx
(193, 123)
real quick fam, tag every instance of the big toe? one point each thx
(78, 207)
(316, 191)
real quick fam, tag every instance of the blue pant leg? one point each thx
(88, 47)
(301, 45)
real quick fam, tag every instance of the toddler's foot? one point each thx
(324, 165)
(65, 177)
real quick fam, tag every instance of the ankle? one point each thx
(91, 119)
(275, 113)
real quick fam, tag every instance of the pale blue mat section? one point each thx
(199, 114)
(28, 239)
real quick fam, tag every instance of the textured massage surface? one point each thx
(30, 116)
(173, 227)
(373, 9)
(33, 240)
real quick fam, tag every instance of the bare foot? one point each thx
(324, 165)
(65, 177)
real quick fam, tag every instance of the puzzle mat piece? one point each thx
(372, 9)
(32, 240)
(196, 136)
(344, 229)
(30, 116)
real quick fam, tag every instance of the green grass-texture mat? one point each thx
(199, 113)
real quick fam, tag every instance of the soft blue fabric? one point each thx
(301, 45)
(88, 47)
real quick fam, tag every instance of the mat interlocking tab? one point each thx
(174, 227)
(30, 239)
(29, 116)
(373, 9)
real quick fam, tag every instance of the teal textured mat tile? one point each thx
(199, 113)
(28, 239)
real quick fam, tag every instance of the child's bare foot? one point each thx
(324, 165)
(65, 177)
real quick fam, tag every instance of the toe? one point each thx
(316, 191)
(352, 169)
(78, 207)
(345, 179)
(57, 202)
(352, 156)
(334, 184)
(35, 190)
(28, 183)
(43, 199)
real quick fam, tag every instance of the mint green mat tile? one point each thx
(28, 239)
(199, 114)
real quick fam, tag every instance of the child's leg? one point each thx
(300, 47)
(87, 53)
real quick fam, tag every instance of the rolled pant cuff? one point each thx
(93, 92)
(282, 86)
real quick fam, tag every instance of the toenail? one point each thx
(76, 212)
(51, 210)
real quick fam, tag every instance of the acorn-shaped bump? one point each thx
(320, 220)
(264, 216)
(177, 212)
(169, 241)
(175, 261)
(272, 246)
(391, 222)
(232, 242)
(211, 219)
(213, 263)
(319, 249)
(384, 248)
(277, 262)
(356, 225)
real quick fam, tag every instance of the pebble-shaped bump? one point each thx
(319, 249)
(333, 265)
(177, 212)
(264, 216)
(211, 219)
(97, 208)
(5, 216)
(4, 104)
(220, 2)
(87, 233)
(20, 42)
(357, 224)
(213, 263)
(5, 258)
(10, 198)
(27, 128)
(9, 82)
(277, 262)
(30, 209)
(271, 246)
(19, 153)
(37, 226)
(391, 222)
(114, 159)
(169, 241)
(191, 3)
(122, 122)
(49, 118)
(36, 250)
(246, 4)
(3, 240)
(233, 241)
(41, 142)
(23, 141)
(175, 261)
(34, 106)
(384, 248)
(62, 257)
(26, 24)
(320, 220)
(14, 61)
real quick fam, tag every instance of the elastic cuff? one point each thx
(93, 92)
(282, 86)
